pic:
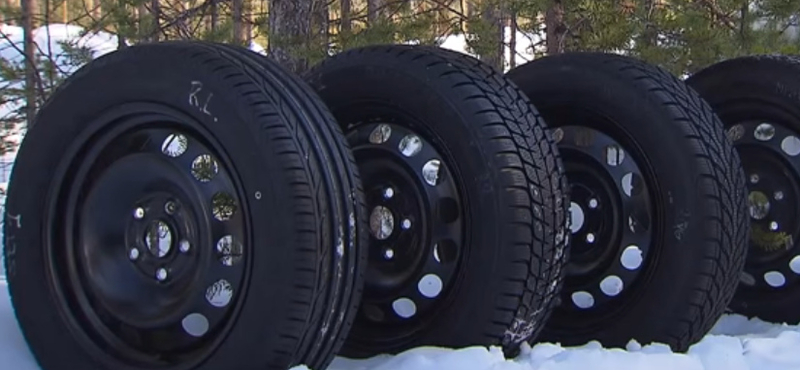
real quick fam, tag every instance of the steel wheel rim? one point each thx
(195, 193)
(769, 154)
(416, 224)
(612, 223)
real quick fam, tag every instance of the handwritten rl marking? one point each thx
(196, 96)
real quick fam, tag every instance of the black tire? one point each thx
(697, 215)
(299, 215)
(751, 94)
(507, 177)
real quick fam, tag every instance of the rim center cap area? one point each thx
(158, 238)
(759, 205)
(381, 222)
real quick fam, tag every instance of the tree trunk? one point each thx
(237, 10)
(144, 25)
(347, 7)
(248, 21)
(155, 12)
(29, 49)
(493, 17)
(375, 10)
(289, 23)
(512, 41)
(214, 10)
(556, 29)
(320, 23)
(744, 26)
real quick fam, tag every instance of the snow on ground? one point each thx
(734, 344)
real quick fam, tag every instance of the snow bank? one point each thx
(773, 351)
(735, 344)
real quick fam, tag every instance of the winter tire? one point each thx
(657, 204)
(466, 199)
(176, 206)
(756, 97)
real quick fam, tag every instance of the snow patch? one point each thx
(736, 343)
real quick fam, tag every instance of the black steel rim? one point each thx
(769, 153)
(611, 224)
(149, 239)
(416, 224)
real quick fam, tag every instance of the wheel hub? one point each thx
(159, 233)
(610, 219)
(758, 203)
(592, 212)
(158, 238)
(769, 154)
(415, 222)
(381, 222)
